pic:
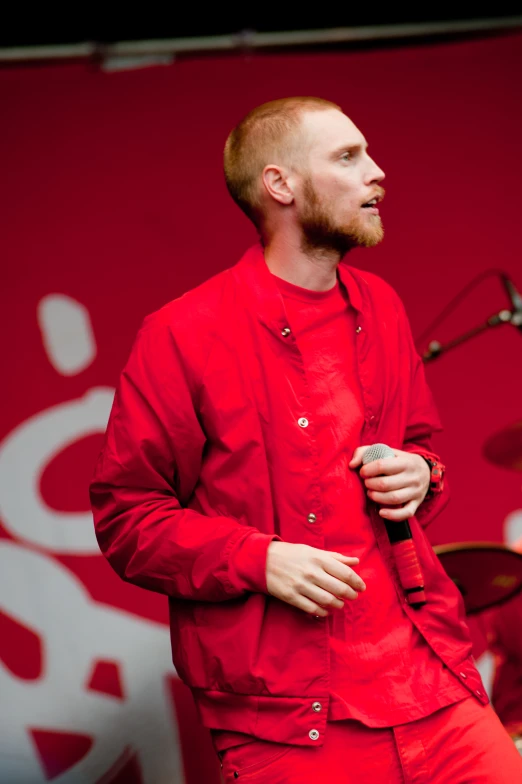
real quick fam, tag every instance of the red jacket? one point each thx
(205, 464)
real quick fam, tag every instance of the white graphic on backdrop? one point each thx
(74, 631)
(25, 453)
(66, 333)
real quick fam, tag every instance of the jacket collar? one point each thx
(252, 271)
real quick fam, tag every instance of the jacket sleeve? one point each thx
(151, 458)
(423, 420)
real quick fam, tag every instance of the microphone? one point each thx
(401, 540)
(516, 301)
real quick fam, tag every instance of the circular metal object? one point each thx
(485, 573)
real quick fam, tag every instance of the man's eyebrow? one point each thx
(350, 148)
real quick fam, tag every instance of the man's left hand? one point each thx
(401, 481)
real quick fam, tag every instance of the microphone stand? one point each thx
(435, 349)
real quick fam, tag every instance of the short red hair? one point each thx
(268, 134)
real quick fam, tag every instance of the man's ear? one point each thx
(276, 183)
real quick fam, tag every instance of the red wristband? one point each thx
(436, 477)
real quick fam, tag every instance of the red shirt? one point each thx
(372, 640)
(212, 451)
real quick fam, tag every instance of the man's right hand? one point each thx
(312, 580)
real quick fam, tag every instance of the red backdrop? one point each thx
(113, 202)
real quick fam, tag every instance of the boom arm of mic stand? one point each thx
(435, 349)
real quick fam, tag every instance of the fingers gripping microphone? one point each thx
(403, 546)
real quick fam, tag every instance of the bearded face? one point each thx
(327, 224)
(336, 185)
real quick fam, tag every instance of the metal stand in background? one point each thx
(435, 349)
(504, 316)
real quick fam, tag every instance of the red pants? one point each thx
(462, 744)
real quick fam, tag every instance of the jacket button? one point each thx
(311, 518)
(358, 329)
(463, 675)
(302, 422)
(316, 706)
(313, 734)
(285, 332)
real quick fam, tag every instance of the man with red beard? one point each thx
(232, 481)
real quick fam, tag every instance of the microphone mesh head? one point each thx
(376, 452)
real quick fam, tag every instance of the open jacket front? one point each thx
(205, 463)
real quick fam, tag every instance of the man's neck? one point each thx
(315, 270)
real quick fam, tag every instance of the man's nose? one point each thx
(375, 173)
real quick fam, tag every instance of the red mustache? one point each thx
(377, 194)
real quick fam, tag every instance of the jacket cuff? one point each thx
(431, 507)
(247, 563)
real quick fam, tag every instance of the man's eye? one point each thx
(345, 156)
